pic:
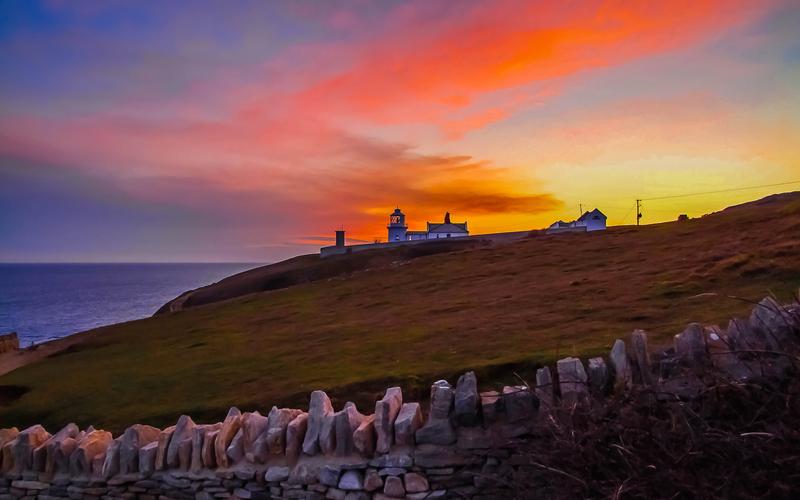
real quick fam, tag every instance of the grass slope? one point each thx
(497, 309)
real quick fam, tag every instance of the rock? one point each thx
(134, 438)
(147, 458)
(519, 403)
(208, 453)
(94, 444)
(386, 411)
(329, 475)
(572, 381)
(438, 429)
(491, 406)
(394, 460)
(295, 433)
(372, 480)
(623, 379)
(690, 346)
(351, 481)
(415, 483)
(775, 324)
(545, 389)
(21, 448)
(276, 474)
(183, 433)
(364, 437)
(304, 473)
(198, 436)
(319, 409)
(346, 423)
(472, 438)
(230, 426)
(254, 425)
(235, 451)
(273, 441)
(722, 358)
(641, 357)
(408, 420)
(393, 487)
(53, 454)
(467, 400)
(111, 461)
(327, 435)
(163, 443)
(598, 376)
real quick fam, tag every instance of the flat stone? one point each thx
(319, 411)
(372, 480)
(472, 438)
(690, 345)
(346, 422)
(393, 487)
(235, 451)
(92, 446)
(253, 426)
(230, 426)
(398, 460)
(491, 406)
(147, 458)
(30, 485)
(467, 400)
(386, 411)
(133, 438)
(111, 460)
(364, 437)
(183, 433)
(273, 441)
(276, 473)
(641, 357)
(597, 374)
(295, 433)
(545, 389)
(438, 429)
(519, 402)
(351, 480)
(618, 359)
(408, 420)
(329, 475)
(21, 449)
(163, 443)
(415, 483)
(572, 381)
(392, 471)
(356, 495)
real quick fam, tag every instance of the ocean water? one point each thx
(47, 301)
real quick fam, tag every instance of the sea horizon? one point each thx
(44, 301)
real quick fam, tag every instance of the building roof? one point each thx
(593, 214)
(453, 227)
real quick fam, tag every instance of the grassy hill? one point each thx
(499, 309)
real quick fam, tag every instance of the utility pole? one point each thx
(638, 211)
(580, 209)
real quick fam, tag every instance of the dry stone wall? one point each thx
(392, 452)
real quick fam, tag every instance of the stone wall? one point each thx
(9, 342)
(393, 451)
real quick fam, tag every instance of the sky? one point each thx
(249, 131)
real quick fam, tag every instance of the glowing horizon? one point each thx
(144, 132)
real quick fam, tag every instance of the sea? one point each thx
(42, 302)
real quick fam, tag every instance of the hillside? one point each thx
(500, 309)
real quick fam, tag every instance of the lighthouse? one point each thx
(397, 226)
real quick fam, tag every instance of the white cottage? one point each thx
(594, 220)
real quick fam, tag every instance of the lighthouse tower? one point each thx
(397, 226)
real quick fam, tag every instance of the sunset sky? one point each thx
(249, 131)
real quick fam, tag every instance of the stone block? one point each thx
(466, 400)
(386, 411)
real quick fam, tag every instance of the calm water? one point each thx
(46, 301)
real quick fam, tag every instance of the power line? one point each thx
(720, 191)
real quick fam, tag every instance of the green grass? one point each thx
(499, 310)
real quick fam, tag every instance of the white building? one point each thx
(594, 220)
(398, 230)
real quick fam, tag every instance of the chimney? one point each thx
(340, 238)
